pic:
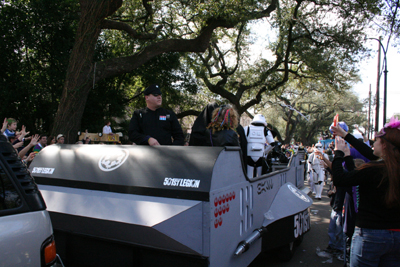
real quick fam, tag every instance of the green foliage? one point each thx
(318, 102)
(36, 39)
(167, 70)
(314, 39)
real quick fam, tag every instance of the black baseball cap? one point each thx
(153, 89)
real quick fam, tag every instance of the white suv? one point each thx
(26, 233)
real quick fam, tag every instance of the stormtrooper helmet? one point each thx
(319, 147)
(259, 118)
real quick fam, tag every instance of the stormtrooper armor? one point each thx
(316, 170)
(256, 145)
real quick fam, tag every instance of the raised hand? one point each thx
(341, 145)
(338, 131)
(31, 156)
(23, 131)
(4, 127)
(35, 140)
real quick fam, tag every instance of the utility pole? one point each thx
(369, 112)
(384, 85)
(377, 89)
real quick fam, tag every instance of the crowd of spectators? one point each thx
(27, 146)
(342, 219)
(363, 185)
(291, 148)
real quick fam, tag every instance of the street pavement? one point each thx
(305, 254)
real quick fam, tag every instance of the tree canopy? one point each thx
(36, 38)
(116, 48)
(302, 109)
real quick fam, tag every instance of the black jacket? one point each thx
(161, 124)
(223, 138)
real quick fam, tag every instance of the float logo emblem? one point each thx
(296, 192)
(113, 160)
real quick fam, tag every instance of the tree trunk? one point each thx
(289, 127)
(79, 78)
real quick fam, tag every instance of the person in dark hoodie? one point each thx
(200, 136)
(222, 129)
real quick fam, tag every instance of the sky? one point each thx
(368, 73)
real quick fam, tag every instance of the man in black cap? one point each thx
(155, 125)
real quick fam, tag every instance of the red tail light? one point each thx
(49, 253)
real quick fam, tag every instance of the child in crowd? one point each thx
(10, 131)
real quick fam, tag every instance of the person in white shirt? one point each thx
(107, 128)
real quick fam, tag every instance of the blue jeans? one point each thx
(335, 231)
(375, 247)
